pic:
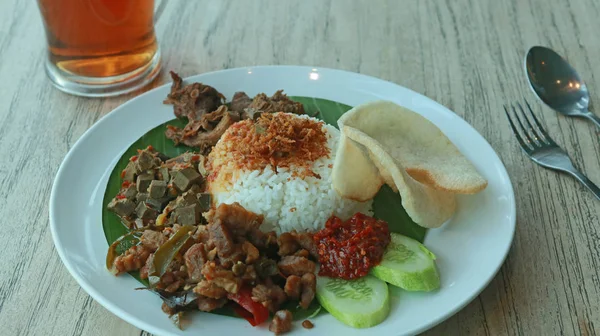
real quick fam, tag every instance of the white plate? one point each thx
(470, 248)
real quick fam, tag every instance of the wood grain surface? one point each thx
(466, 54)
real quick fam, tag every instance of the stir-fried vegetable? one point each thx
(243, 313)
(253, 312)
(178, 302)
(166, 252)
(409, 265)
(299, 313)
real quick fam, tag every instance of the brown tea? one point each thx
(99, 38)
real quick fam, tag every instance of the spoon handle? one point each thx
(593, 118)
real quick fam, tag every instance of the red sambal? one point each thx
(349, 250)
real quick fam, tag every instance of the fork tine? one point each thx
(535, 134)
(525, 146)
(530, 142)
(539, 125)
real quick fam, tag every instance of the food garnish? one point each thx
(274, 139)
(363, 181)
(252, 311)
(207, 115)
(348, 250)
(193, 100)
(412, 156)
(165, 253)
(129, 239)
(408, 264)
(359, 303)
(205, 132)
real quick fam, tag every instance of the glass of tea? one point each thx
(100, 48)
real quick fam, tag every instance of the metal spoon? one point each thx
(558, 84)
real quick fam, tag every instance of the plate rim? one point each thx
(139, 323)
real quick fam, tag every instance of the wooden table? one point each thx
(467, 55)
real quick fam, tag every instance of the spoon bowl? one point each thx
(557, 83)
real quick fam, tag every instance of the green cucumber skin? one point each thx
(426, 280)
(356, 320)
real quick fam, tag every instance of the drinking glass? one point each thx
(99, 48)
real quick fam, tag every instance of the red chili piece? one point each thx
(253, 312)
(348, 250)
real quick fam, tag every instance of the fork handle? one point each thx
(593, 118)
(586, 182)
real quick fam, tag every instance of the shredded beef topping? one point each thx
(207, 115)
(204, 132)
(240, 102)
(275, 139)
(279, 102)
(194, 100)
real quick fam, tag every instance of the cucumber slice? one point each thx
(408, 264)
(359, 303)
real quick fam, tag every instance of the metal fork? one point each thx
(538, 145)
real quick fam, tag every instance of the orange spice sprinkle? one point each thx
(279, 140)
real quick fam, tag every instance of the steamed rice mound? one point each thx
(280, 166)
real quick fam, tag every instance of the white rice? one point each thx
(290, 202)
